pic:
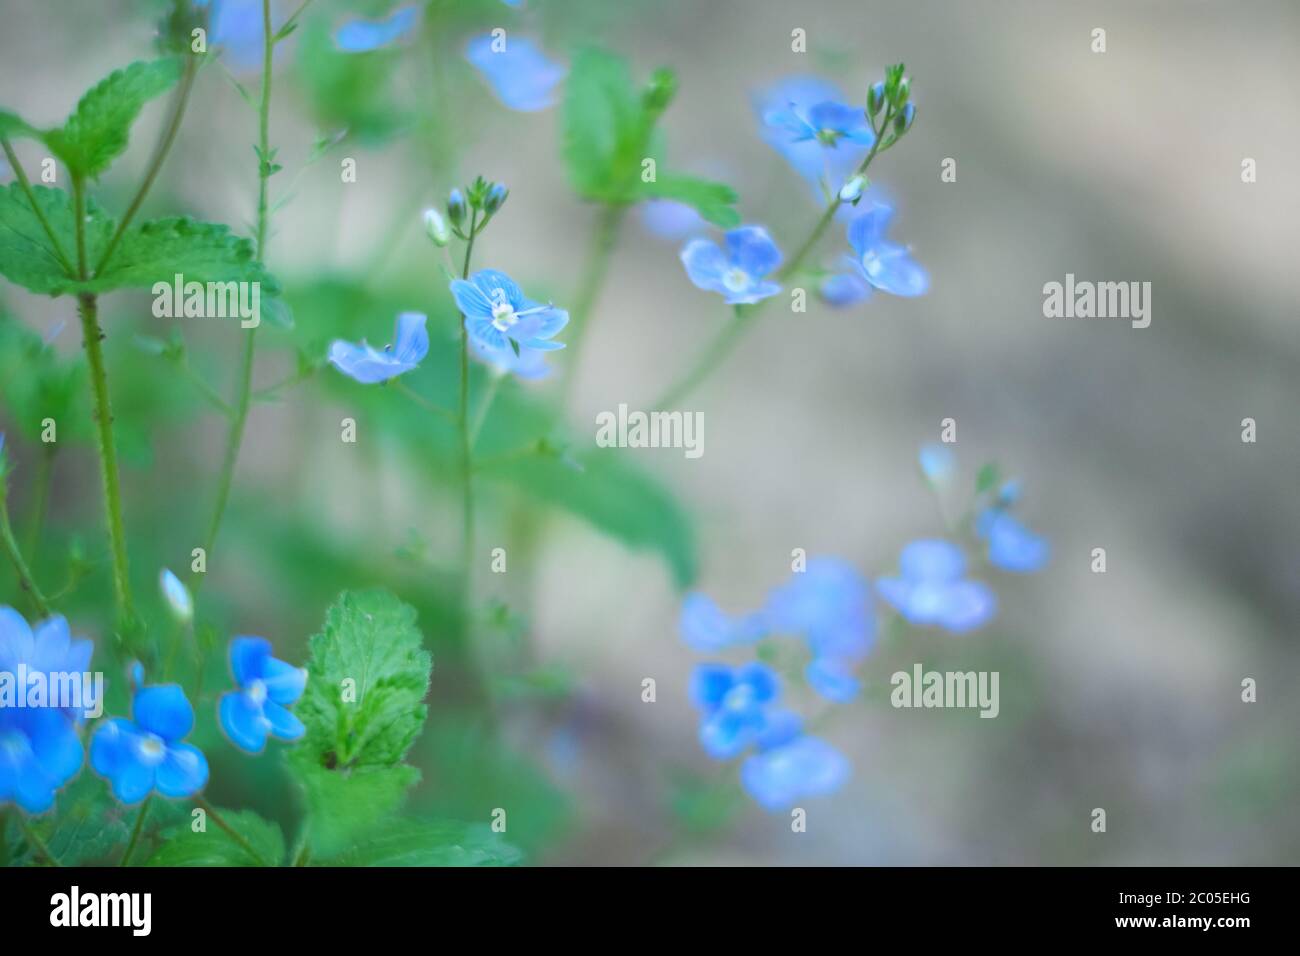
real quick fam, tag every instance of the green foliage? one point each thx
(609, 129)
(37, 383)
(86, 828)
(987, 477)
(97, 131)
(437, 843)
(26, 257)
(181, 846)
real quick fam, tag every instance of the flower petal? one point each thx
(243, 721)
(362, 36)
(470, 299)
(284, 682)
(412, 342)
(163, 710)
(284, 724)
(752, 249)
(183, 772)
(705, 264)
(248, 658)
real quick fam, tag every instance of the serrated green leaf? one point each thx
(436, 843)
(345, 806)
(97, 131)
(86, 827)
(714, 201)
(603, 123)
(12, 126)
(215, 847)
(26, 257)
(157, 251)
(367, 676)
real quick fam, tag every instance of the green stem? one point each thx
(484, 404)
(40, 497)
(603, 241)
(135, 832)
(235, 436)
(25, 579)
(424, 403)
(726, 340)
(466, 460)
(230, 831)
(155, 164)
(36, 842)
(26, 187)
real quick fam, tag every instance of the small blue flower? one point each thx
(886, 265)
(48, 648)
(1012, 546)
(819, 165)
(780, 776)
(931, 589)
(736, 706)
(827, 123)
(529, 365)
(177, 596)
(842, 289)
(368, 365)
(706, 627)
(362, 36)
(267, 688)
(669, 219)
(937, 463)
(497, 313)
(519, 73)
(236, 27)
(146, 754)
(738, 274)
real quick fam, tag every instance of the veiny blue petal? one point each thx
(470, 299)
(520, 75)
(932, 560)
(705, 264)
(112, 745)
(284, 724)
(848, 121)
(890, 268)
(133, 781)
(243, 721)
(361, 36)
(364, 364)
(248, 658)
(809, 158)
(528, 364)
(752, 249)
(709, 685)
(868, 228)
(412, 342)
(163, 710)
(498, 287)
(550, 320)
(183, 772)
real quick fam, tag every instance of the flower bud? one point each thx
(901, 94)
(875, 98)
(177, 596)
(456, 207)
(495, 198)
(436, 228)
(851, 191)
(661, 89)
(903, 120)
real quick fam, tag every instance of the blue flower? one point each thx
(736, 705)
(738, 274)
(236, 27)
(368, 365)
(937, 463)
(931, 589)
(529, 365)
(362, 36)
(519, 73)
(1012, 546)
(706, 627)
(267, 687)
(177, 596)
(886, 265)
(811, 157)
(146, 754)
(827, 123)
(48, 648)
(846, 288)
(497, 314)
(779, 776)
(670, 219)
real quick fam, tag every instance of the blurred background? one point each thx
(1119, 690)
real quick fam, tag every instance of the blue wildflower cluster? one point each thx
(832, 610)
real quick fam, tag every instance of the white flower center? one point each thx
(735, 279)
(257, 692)
(152, 749)
(503, 313)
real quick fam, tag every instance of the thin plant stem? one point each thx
(135, 832)
(726, 340)
(596, 269)
(424, 403)
(238, 421)
(466, 461)
(40, 497)
(36, 842)
(230, 831)
(26, 187)
(484, 404)
(10, 546)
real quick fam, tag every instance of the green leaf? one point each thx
(183, 847)
(437, 843)
(199, 251)
(345, 805)
(713, 201)
(26, 258)
(87, 827)
(987, 477)
(603, 123)
(12, 126)
(367, 677)
(97, 131)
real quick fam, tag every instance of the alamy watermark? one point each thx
(1098, 300)
(922, 688)
(208, 300)
(636, 429)
(61, 690)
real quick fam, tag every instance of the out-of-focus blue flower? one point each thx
(529, 365)
(39, 747)
(147, 753)
(826, 123)
(819, 165)
(267, 688)
(842, 289)
(1012, 546)
(886, 265)
(937, 462)
(362, 36)
(780, 776)
(497, 313)
(519, 73)
(669, 219)
(236, 27)
(706, 627)
(517, 4)
(177, 596)
(738, 273)
(736, 706)
(1010, 492)
(368, 365)
(931, 589)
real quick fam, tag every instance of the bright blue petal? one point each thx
(16, 641)
(284, 682)
(709, 685)
(412, 342)
(361, 36)
(520, 75)
(779, 728)
(528, 364)
(932, 560)
(243, 721)
(183, 772)
(283, 723)
(890, 268)
(483, 332)
(55, 744)
(760, 680)
(111, 745)
(752, 249)
(705, 264)
(470, 299)
(163, 710)
(727, 733)
(937, 462)
(809, 158)
(248, 659)
(497, 287)
(845, 289)
(364, 364)
(1013, 547)
(868, 228)
(755, 292)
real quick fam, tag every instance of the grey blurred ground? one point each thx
(1119, 691)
